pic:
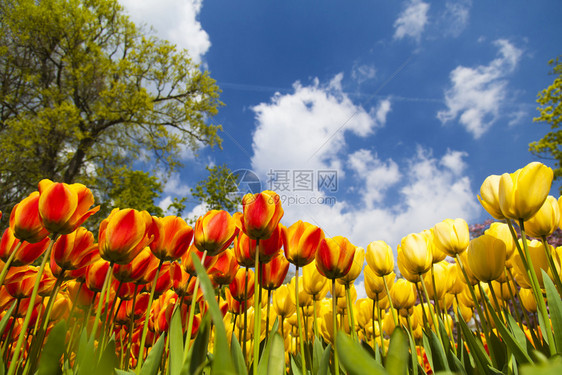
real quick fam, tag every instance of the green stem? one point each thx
(379, 318)
(350, 312)
(15, 360)
(131, 329)
(334, 327)
(552, 266)
(299, 322)
(392, 311)
(315, 316)
(538, 293)
(257, 310)
(192, 313)
(147, 317)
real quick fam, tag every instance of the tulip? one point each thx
(437, 254)
(501, 231)
(225, 268)
(486, 257)
(27, 252)
(173, 239)
(522, 193)
(238, 285)
(405, 272)
(442, 283)
(214, 232)
(20, 280)
(124, 234)
(187, 261)
(245, 250)
(63, 207)
(96, 275)
(235, 306)
(403, 295)
(270, 247)
(305, 299)
(490, 197)
(374, 285)
(25, 221)
(262, 213)
(417, 257)
(545, 221)
(451, 236)
(272, 274)
(356, 267)
(334, 257)
(302, 241)
(528, 300)
(380, 258)
(313, 282)
(539, 260)
(140, 270)
(73, 251)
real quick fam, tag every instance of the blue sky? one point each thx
(410, 104)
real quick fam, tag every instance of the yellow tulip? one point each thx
(501, 232)
(489, 196)
(305, 299)
(442, 281)
(545, 221)
(356, 267)
(403, 295)
(486, 257)
(374, 285)
(282, 303)
(314, 283)
(404, 271)
(528, 300)
(523, 192)
(539, 259)
(451, 236)
(437, 254)
(380, 258)
(417, 254)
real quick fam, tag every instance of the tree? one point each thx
(550, 100)
(217, 192)
(85, 96)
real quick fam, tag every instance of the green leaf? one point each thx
(53, 350)
(398, 356)
(354, 359)
(475, 346)
(499, 348)
(198, 352)
(154, 358)
(439, 357)
(264, 358)
(108, 360)
(324, 368)
(316, 355)
(555, 309)
(176, 344)
(276, 363)
(295, 368)
(414, 354)
(86, 356)
(122, 372)
(237, 356)
(428, 352)
(222, 363)
(6, 319)
(518, 351)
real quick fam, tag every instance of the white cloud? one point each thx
(173, 20)
(477, 94)
(411, 22)
(391, 198)
(363, 73)
(455, 17)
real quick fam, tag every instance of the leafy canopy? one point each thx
(550, 111)
(85, 96)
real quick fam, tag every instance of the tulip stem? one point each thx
(267, 314)
(552, 266)
(541, 304)
(493, 293)
(350, 312)
(299, 321)
(15, 360)
(373, 323)
(8, 263)
(392, 310)
(191, 313)
(257, 310)
(315, 316)
(131, 328)
(147, 317)
(435, 296)
(334, 327)
(379, 318)
(245, 338)
(432, 313)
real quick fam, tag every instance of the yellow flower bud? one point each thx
(314, 283)
(437, 254)
(501, 232)
(523, 192)
(451, 236)
(489, 196)
(528, 300)
(417, 254)
(486, 257)
(405, 272)
(403, 295)
(538, 258)
(305, 299)
(282, 303)
(380, 258)
(545, 221)
(442, 281)
(374, 285)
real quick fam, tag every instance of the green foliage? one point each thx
(550, 101)
(215, 190)
(85, 95)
